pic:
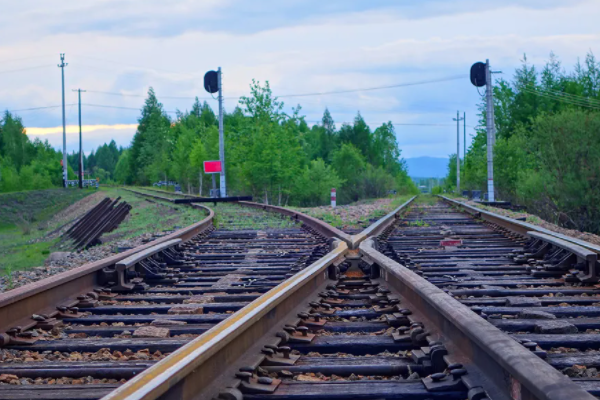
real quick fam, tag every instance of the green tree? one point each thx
(197, 157)
(314, 184)
(349, 164)
(151, 145)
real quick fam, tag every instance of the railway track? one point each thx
(146, 306)
(539, 288)
(303, 313)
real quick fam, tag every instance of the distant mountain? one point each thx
(427, 167)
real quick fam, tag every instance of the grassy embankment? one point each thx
(26, 218)
(30, 220)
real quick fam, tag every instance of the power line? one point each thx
(144, 95)
(451, 78)
(299, 94)
(120, 108)
(578, 103)
(566, 95)
(23, 69)
(37, 108)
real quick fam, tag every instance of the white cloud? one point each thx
(299, 52)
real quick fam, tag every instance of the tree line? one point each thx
(547, 143)
(270, 154)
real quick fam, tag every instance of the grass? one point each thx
(150, 215)
(426, 200)
(26, 220)
(28, 208)
(17, 250)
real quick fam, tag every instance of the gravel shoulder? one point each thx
(354, 217)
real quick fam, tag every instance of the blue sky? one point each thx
(299, 46)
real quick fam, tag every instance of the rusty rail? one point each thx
(199, 366)
(513, 372)
(318, 225)
(41, 297)
(382, 224)
(520, 227)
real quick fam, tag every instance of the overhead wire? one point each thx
(24, 69)
(578, 103)
(37, 108)
(450, 78)
(567, 95)
(374, 88)
(120, 107)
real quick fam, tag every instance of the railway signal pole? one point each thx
(223, 185)
(80, 142)
(457, 119)
(62, 66)
(491, 129)
(481, 75)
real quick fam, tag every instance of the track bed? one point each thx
(532, 300)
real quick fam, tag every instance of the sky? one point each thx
(125, 47)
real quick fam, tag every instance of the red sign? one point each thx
(212, 167)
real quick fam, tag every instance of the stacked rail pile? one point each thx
(103, 218)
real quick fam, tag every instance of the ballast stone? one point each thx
(151, 332)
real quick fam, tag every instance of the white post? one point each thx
(491, 130)
(333, 197)
(223, 185)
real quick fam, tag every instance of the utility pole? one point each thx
(491, 129)
(62, 66)
(457, 119)
(221, 139)
(80, 142)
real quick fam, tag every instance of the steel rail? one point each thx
(18, 305)
(520, 227)
(493, 356)
(513, 371)
(193, 368)
(380, 225)
(318, 225)
(321, 227)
